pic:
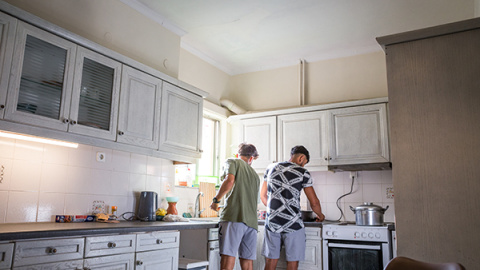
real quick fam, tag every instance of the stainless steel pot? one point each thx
(369, 214)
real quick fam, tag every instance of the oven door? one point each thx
(354, 255)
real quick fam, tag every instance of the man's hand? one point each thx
(214, 206)
(320, 218)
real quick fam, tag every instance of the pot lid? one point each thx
(368, 206)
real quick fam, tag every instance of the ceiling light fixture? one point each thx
(36, 139)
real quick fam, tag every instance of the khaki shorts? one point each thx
(293, 242)
(236, 237)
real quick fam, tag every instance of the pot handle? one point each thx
(386, 208)
(351, 208)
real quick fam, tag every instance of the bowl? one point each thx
(159, 218)
(172, 199)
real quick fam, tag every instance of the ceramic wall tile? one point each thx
(154, 166)
(138, 164)
(319, 178)
(370, 177)
(331, 211)
(6, 167)
(82, 156)
(137, 183)
(333, 192)
(78, 204)
(26, 175)
(54, 178)
(120, 184)
(7, 148)
(22, 207)
(101, 182)
(357, 192)
(50, 205)
(3, 205)
(390, 213)
(372, 193)
(26, 150)
(336, 178)
(120, 161)
(98, 162)
(56, 154)
(79, 180)
(168, 169)
(153, 183)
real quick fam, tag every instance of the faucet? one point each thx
(197, 206)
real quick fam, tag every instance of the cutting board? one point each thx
(209, 192)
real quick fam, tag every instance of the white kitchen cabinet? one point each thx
(116, 262)
(109, 245)
(8, 26)
(41, 79)
(309, 129)
(64, 265)
(181, 121)
(313, 252)
(359, 135)
(6, 254)
(262, 133)
(139, 111)
(59, 85)
(96, 89)
(157, 250)
(37, 252)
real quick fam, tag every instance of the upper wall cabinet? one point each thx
(261, 132)
(359, 135)
(308, 129)
(8, 25)
(139, 112)
(56, 84)
(40, 86)
(181, 121)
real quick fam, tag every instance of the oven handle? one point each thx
(371, 247)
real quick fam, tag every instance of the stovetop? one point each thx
(352, 232)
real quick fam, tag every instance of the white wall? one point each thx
(114, 25)
(41, 180)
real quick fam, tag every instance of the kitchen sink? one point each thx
(208, 219)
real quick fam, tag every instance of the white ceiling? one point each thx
(240, 36)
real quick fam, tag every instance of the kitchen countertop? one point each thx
(22, 231)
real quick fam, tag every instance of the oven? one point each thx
(351, 247)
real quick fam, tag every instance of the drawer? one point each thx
(109, 245)
(212, 234)
(157, 240)
(46, 251)
(65, 265)
(313, 233)
(6, 253)
(113, 262)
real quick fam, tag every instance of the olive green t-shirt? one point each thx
(241, 201)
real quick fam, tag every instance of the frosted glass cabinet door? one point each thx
(8, 25)
(41, 78)
(139, 112)
(95, 95)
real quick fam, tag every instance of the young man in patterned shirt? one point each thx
(280, 192)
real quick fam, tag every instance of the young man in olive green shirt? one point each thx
(238, 221)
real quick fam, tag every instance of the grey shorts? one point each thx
(293, 242)
(236, 237)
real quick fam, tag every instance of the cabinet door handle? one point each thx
(73, 122)
(200, 150)
(65, 121)
(2, 106)
(159, 241)
(51, 250)
(112, 245)
(139, 263)
(121, 133)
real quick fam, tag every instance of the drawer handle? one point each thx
(139, 263)
(51, 250)
(159, 241)
(112, 245)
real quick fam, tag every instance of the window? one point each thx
(207, 168)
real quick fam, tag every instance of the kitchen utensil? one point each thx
(308, 215)
(147, 206)
(369, 214)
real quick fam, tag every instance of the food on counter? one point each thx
(74, 218)
(161, 212)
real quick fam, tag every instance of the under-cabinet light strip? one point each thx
(37, 139)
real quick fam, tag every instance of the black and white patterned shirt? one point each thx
(285, 181)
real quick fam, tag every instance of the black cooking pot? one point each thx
(308, 215)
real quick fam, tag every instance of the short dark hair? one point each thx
(247, 150)
(300, 149)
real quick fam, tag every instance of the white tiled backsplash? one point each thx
(41, 180)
